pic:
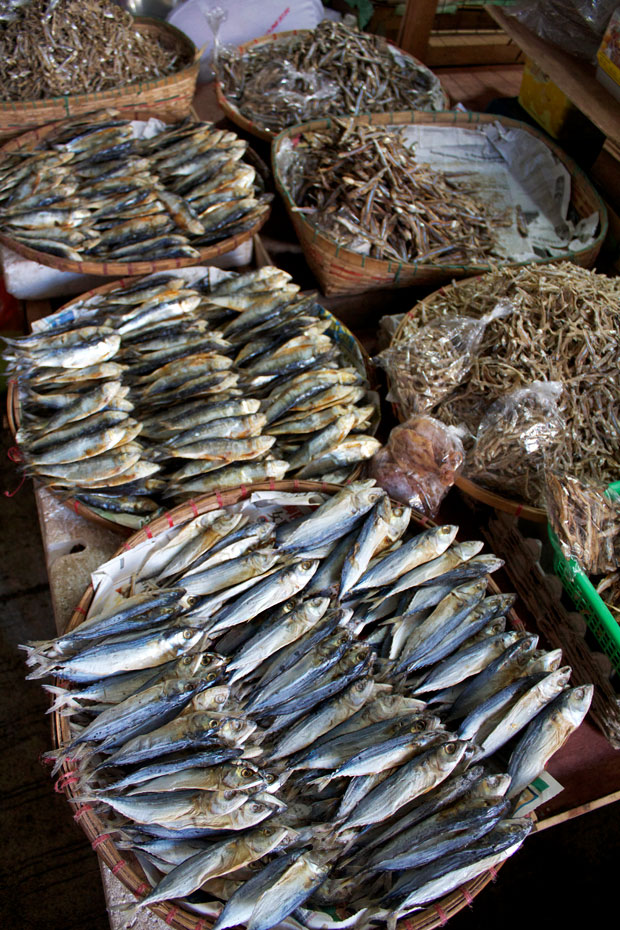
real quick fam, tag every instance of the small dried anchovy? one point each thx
(565, 327)
(332, 70)
(364, 187)
(57, 47)
(586, 521)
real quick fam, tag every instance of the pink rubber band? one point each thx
(82, 810)
(244, 490)
(169, 519)
(468, 897)
(443, 917)
(65, 780)
(100, 839)
(142, 889)
(118, 866)
(493, 873)
(219, 499)
(171, 914)
(192, 504)
(148, 532)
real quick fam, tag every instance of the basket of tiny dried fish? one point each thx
(61, 58)
(276, 703)
(525, 361)
(145, 392)
(115, 194)
(391, 200)
(287, 78)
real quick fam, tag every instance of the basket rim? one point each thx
(130, 872)
(188, 69)
(14, 409)
(233, 111)
(118, 268)
(420, 117)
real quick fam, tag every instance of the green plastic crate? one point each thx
(597, 615)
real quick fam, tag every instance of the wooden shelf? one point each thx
(574, 76)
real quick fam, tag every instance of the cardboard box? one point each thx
(608, 56)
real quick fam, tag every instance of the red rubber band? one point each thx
(468, 897)
(14, 454)
(100, 839)
(493, 873)
(148, 532)
(142, 889)
(82, 810)
(219, 499)
(118, 866)
(172, 913)
(17, 489)
(169, 518)
(127, 546)
(244, 490)
(192, 504)
(80, 610)
(44, 759)
(200, 924)
(76, 507)
(443, 917)
(518, 510)
(295, 483)
(272, 484)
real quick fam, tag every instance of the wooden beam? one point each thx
(416, 27)
(577, 811)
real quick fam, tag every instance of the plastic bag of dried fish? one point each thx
(322, 705)
(427, 368)
(419, 464)
(332, 70)
(517, 437)
(586, 520)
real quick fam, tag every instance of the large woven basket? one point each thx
(341, 271)
(345, 338)
(121, 269)
(470, 488)
(123, 864)
(234, 113)
(171, 96)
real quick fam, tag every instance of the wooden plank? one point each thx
(416, 27)
(574, 76)
(446, 51)
(577, 811)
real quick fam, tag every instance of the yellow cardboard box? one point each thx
(543, 100)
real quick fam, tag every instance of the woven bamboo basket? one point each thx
(233, 112)
(123, 864)
(470, 488)
(344, 337)
(120, 269)
(341, 271)
(170, 96)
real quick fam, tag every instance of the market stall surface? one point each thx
(50, 875)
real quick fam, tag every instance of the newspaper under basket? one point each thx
(340, 270)
(123, 864)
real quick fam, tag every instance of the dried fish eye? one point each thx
(220, 699)
(418, 726)
(229, 794)
(266, 831)
(191, 600)
(288, 606)
(258, 808)
(211, 676)
(270, 778)
(213, 722)
(450, 748)
(247, 773)
(306, 566)
(397, 511)
(187, 634)
(237, 724)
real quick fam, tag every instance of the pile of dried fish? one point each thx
(330, 71)
(93, 191)
(362, 186)
(171, 386)
(564, 328)
(323, 698)
(49, 48)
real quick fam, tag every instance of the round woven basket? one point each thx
(124, 865)
(342, 271)
(233, 112)
(345, 338)
(470, 488)
(117, 269)
(169, 97)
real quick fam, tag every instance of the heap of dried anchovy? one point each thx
(565, 328)
(364, 187)
(332, 70)
(56, 47)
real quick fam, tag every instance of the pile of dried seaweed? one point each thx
(56, 47)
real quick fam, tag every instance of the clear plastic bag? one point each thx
(577, 26)
(586, 520)
(513, 439)
(419, 464)
(435, 359)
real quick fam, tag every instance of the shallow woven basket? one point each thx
(121, 269)
(170, 96)
(341, 271)
(124, 865)
(344, 337)
(470, 488)
(233, 112)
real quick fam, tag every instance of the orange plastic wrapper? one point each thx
(419, 464)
